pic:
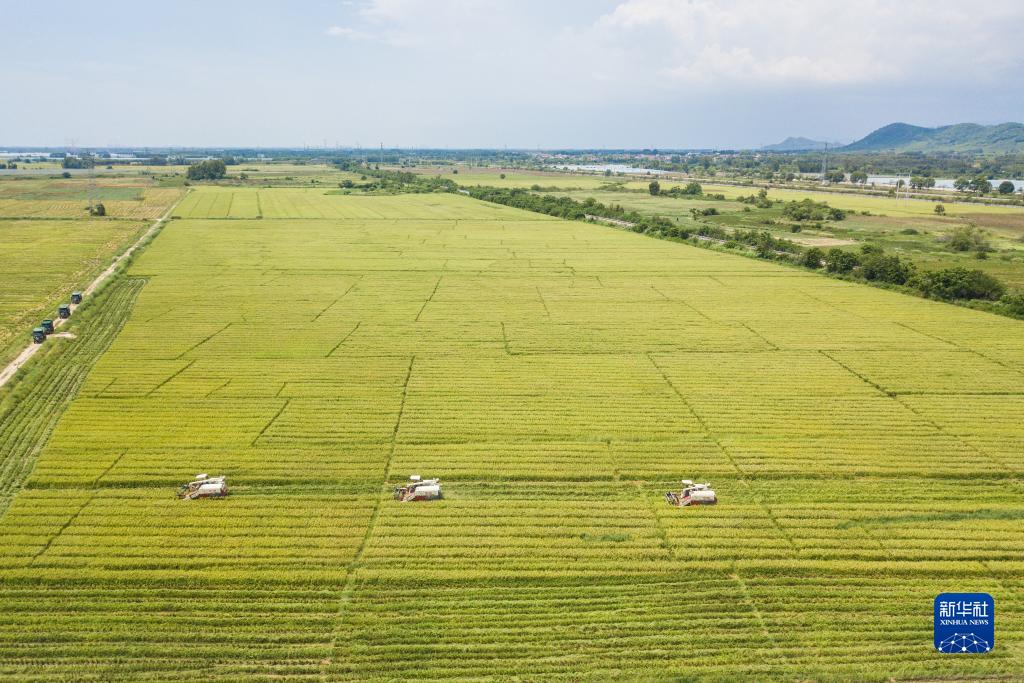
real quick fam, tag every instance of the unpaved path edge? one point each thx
(12, 368)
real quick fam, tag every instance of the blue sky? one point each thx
(494, 73)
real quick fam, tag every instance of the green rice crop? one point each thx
(559, 377)
(41, 262)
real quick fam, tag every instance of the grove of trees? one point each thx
(211, 169)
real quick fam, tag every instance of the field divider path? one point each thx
(930, 336)
(201, 342)
(429, 298)
(743, 478)
(965, 349)
(345, 596)
(63, 528)
(758, 614)
(171, 378)
(832, 305)
(984, 455)
(272, 420)
(504, 339)
(684, 303)
(115, 463)
(859, 376)
(343, 339)
(32, 349)
(766, 340)
(896, 397)
(543, 303)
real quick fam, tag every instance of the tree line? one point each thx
(872, 264)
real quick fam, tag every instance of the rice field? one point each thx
(880, 205)
(132, 197)
(524, 178)
(42, 261)
(559, 377)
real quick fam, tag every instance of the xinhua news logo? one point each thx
(965, 623)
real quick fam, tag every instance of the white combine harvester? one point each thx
(418, 489)
(204, 486)
(692, 494)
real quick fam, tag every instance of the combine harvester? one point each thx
(204, 486)
(418, 489)
(692, 494)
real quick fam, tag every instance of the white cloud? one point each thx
(439, 24)
(784, 42)
(597, 53)
(347, 32)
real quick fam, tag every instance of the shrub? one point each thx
(760, 200)
(1013, 303)
(960, 283)
(812, 258)
(839, 261)
(809, 210)
(691, 189)
(710, 211)
(967, 238)
(879, 267)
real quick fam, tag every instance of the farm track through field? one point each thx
(11, 369)
(26, 426)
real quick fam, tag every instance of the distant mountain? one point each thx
(792, 144)
(961, 137)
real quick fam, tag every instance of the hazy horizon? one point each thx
(579, 74)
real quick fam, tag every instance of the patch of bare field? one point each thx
(822, 241)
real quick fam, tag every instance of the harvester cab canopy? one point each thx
(64, 311)
(76, 297)
(204, 486)
(418, 489)
(47, 326)
(692, 494)
(38, 335)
